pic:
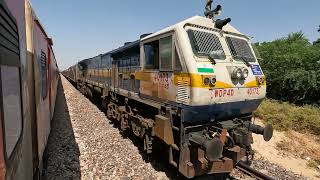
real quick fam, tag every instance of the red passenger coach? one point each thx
(28, 86)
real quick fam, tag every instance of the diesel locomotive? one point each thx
(192, 86)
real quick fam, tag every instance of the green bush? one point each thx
(292, 68)
(285, 116)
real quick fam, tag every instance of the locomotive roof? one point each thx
(195, 20)
(127, 46)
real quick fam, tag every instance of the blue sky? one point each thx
(82, 28)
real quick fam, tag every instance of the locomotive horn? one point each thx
(213, 147)
(266, 131)
(220, 23)
(207, 11)
(212, 13)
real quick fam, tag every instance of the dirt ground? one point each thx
(291, 150)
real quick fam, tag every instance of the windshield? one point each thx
(240, 49)
(206, 44)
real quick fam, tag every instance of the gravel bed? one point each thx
(270, 169)
(84, 144)
(275, 170)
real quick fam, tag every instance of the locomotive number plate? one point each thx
(253, 91)
(223, 93)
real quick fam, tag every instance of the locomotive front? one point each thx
(226, 80)
(226, 84)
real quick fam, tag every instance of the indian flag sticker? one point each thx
(204, 68)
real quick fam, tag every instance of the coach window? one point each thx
(151, 52)
(166, 54)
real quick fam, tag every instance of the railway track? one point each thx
(242, 166)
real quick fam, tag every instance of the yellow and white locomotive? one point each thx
(193, 86)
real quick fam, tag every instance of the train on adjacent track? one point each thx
(192, 86)
(28, 86)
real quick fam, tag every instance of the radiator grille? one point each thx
(183, 91)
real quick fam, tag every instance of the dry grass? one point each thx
(302, 126)
(284, 116)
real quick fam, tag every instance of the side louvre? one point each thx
(183, 90)
(9, 38)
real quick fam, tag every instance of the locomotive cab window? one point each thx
(159, 54)
(166, 54)
(151, 55)
(10, 80)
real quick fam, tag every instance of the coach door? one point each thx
(115, 76)
(11, 117)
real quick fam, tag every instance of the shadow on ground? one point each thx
(61, 158)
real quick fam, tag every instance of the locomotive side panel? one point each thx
(159, 60)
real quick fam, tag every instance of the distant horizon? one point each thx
(85, 29)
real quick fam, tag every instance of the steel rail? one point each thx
(252, 172)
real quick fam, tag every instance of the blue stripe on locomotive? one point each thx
(219, 112)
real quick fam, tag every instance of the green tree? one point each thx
(292, 67)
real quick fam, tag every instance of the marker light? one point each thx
(260, 80)
(213, 81)
(206, 81)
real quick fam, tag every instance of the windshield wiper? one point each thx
(212, 60)
(246, 62)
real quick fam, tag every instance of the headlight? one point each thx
(206, 81)
(236, 73)
(245, 73)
